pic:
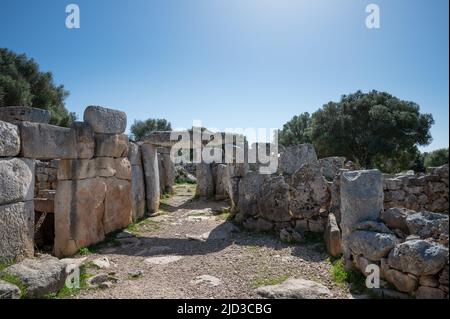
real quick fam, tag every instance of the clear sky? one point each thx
(236, 63)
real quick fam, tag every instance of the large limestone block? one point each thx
(371, 245)
(17, 114)
(16, 180)
(16, 231)
(223, 186)
(293, 157)
(111, 145)
(151, 172)
(134, 154)
(104, 120)
(274, 200)
(122, 167)
(205, 181)
(85, 139)
(419, 257)
(249, 190)
(79, 214)
(361, 200)
(118, 207)
(84, 169)
(137, 192)
(295, 289)
(332, 236)
(169, 173)
(44, 141)
(9, 139)
(330, 166)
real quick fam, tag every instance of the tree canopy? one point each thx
(369, 128)
(23, 84)
(436, 158)
(141, 129)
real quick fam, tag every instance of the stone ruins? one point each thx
(62, 189)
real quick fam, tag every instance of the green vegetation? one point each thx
(147, 225)
(65, 291)
(374, 129)
(23, 84)
(436, 158)
(225, 215)
(341, 276)
(259, 282)
(15, 281)
(141, 129)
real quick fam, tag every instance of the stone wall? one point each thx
(91, 171)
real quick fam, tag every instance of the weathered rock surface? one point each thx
(395, 218)
(151, 175)
(332, 236)
(16, 180)
(403, 282)
(10, 139)
(427, 224)
(79, 214)
(205, 181)
(274, 200)
(249, 190)
(137, 192)
(111, 145)
(85, 139)
(293, 157)
(9, 291)
(117, 205)
(295, 289)
(17, 114)
(361, 200)
(418, 257)
(16, 231)
(330, 166)
(40, 276)
(223, 185)
(371, 245)
(429, 293)
(104, 120)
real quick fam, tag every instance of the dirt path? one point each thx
(161, 262)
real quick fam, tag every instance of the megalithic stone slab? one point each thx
(118, 206)
(137, 192)
(361, 200)
(16, 231)
(44, 141)
(111, 145)
(169, 173)
(205, 181)
(9, 139)
(151, 175)
(85, 139)
(104, 120)
(17, 114)
(16, 180)
(293, 157)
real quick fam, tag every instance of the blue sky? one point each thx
(236, 63)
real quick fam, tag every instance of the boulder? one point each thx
(427, 224)
(309, 193)
(361, 200)
(429, 293)
(79, 214)
(429, 281)
(104, 120)
(332, 236)
(118, 207)
(111, 145)
(16, 231)
(418, 257)
(371, 245)
(151, 175)
(40, 276)
(10, 139)
(9, 291)
(17, 114)
(330, 166)
(274, 200)
(16, 180)
(293, 157)
(402, 282)
(295, 289)
(205, 181)
(44, 141)
(373, 226)
(395, 218)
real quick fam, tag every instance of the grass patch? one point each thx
(147, 225)
(15, 281)
(110, 239)
(225, 215)
(352, 277)
(259, 282)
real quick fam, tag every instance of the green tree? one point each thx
(23, 84)
(296, 131)
(436, 158)
(141, 129)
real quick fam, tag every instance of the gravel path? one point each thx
(161, 262)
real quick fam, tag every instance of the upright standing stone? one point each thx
(169, 172)
(361, 200)
(151, 172)
(205, 181)
(104, 120)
